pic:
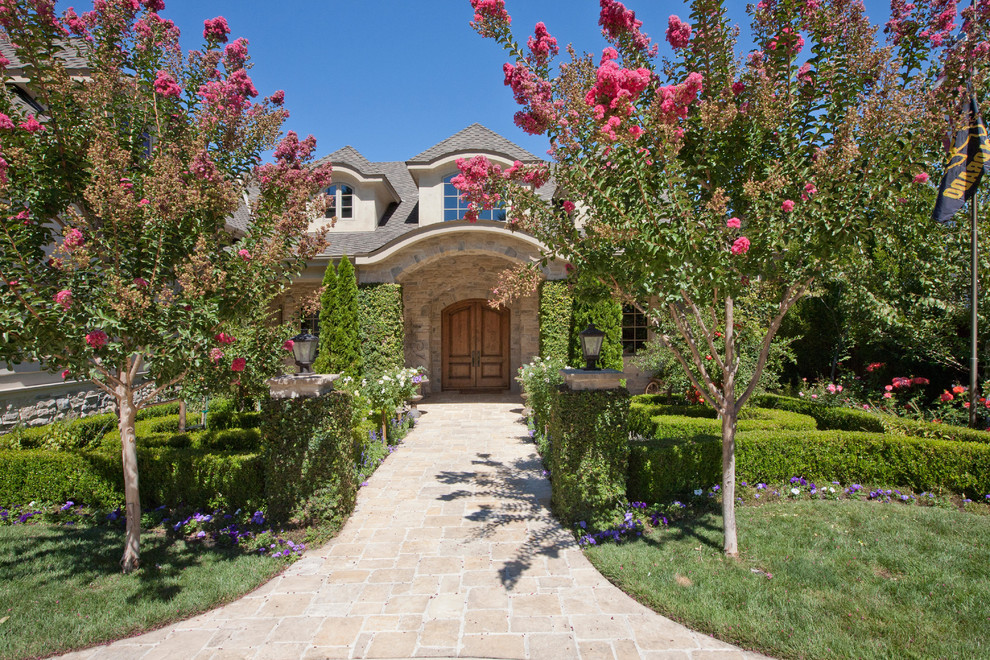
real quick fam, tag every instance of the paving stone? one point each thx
(338, 631)
(392, 645)
(493, 646)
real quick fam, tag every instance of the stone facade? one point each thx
(37, 406)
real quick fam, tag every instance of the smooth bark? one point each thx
(127, 412)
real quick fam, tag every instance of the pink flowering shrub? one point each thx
(238, 364)
(740, 246)
(97, 339)
(166, 86)
(64, 298)
(678, 33)
(733, 223)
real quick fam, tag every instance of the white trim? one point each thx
(442, 229)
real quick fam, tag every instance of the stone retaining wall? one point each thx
(43, 405)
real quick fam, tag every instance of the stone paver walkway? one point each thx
(451, 552)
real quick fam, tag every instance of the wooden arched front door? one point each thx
(475, 345)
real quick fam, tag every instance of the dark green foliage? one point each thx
(827, 417)
(167, 476)
(161, 410)
(58, 476)
(322, 365)
(592, 304)
(345, 337)
(659, 470)
(307, 445)
(556, 319)
(682, 422)
(382, 330)
(588, 452)
(239, 440)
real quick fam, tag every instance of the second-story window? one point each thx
(454, 207)
(341, 201)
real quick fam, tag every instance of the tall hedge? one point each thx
(588, 452)
(308, 446)
(380, 316)
(322, 365)
(556, 320)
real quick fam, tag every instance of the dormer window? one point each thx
(454, 207)
(341, 201)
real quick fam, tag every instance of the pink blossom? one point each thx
(65, 374)
(946, 396)
(278, 98)
(224, 338)
(887, 395)
(235, 53)
(838, 388)
(733, 223)
(675, 99)
(238, 364)
(617, 23)
(809, 190)
(741, 245)
(154, 5)
(5, 122)
(831, 388)
(31, 125)
(166, 86)
(787, 206)
(126, 184)
(216, 354)
(738, 87)
(64, 298)
(140, 282)
(244, 254)
(920, 380)
(73, 239)
(216, 29)
(921, 177)
(568, 206)
(288, 344)
(144, 202)
(635, 132)
(202, 167)
(888, 388)
(490, 17)
(541, 44)
(678, 32)
(97, 339)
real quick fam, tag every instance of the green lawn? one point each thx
(849, 579)
(62, 588)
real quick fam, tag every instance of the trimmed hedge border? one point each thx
(659, 470)
(167, 476)
(589, 447)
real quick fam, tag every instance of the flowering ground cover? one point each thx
(839, 575)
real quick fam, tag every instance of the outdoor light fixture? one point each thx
(591, 345)
(304, 347)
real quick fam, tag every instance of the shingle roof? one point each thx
(473, 138)
(69, 51)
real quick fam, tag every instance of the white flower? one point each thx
(796, 491)
(698, 491)
(831, 489)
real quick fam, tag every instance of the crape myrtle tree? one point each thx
(114, 256)
(713, 188)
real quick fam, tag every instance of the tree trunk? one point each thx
(128, 442)
(729, 481)
(729, 414)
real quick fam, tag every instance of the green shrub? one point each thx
(170, 423)
(220, 414)
(166, 476)
(539, 379)
(307, 444)
(556, 320)
(828, 418)
(659, 470)
(345, 340)
(162, 410)
(920, 429)
(236, 440)
(588, 452)
(322, 365)
(59, 476)
(380, 318)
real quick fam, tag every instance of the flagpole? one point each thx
(973, 367)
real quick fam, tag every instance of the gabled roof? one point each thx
(473, 138)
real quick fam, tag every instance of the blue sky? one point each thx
(394, 77)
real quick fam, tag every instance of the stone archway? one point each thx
(433, 286)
